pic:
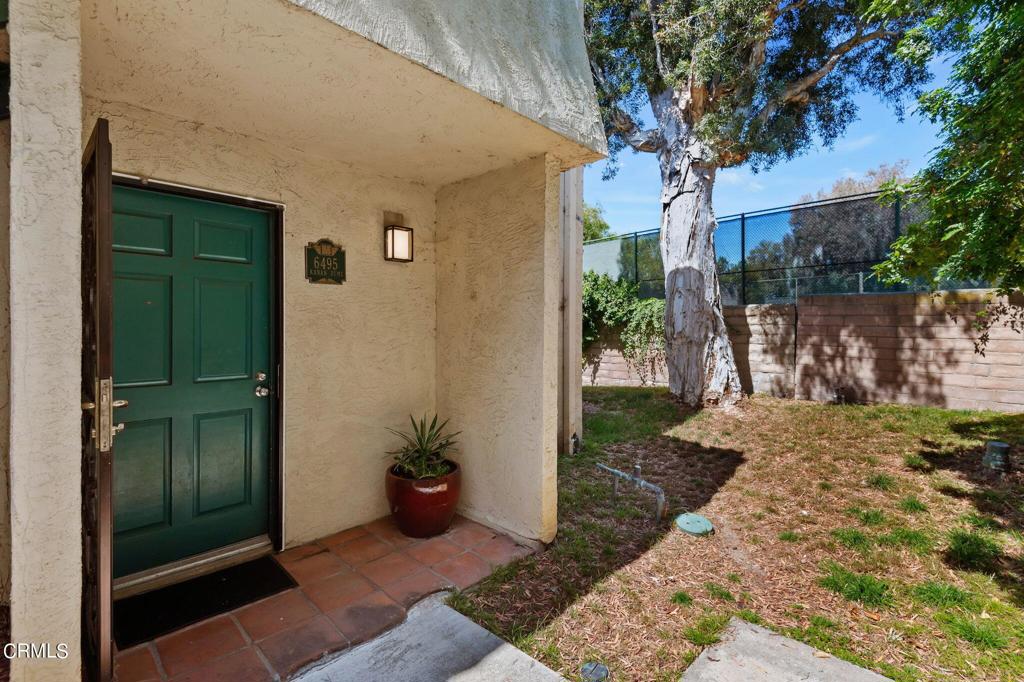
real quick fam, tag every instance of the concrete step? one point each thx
(434, 644)
(748, 653)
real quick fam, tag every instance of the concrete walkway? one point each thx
(434, 644)
(748, 653)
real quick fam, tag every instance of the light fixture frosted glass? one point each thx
(398, 243)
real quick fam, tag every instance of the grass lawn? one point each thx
(871, 532)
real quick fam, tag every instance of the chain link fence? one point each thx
(779, 254)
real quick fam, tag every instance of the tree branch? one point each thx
(783, 9)
(623, 125)
(797, 90)
(659, 62)
(620, 123)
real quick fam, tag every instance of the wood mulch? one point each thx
(604, 591)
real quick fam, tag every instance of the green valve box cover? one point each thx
(694, 524)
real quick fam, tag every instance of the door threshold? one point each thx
(191, 567)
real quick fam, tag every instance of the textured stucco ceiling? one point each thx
(528, 55)
(273, 71)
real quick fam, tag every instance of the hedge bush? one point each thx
(639, 323)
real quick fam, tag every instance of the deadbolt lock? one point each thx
(102, 408)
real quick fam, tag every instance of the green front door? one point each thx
(193, 324)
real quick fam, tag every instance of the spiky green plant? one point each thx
(424, 454)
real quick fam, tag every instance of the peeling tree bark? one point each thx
(701, 366)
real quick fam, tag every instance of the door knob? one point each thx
(261, 376)
(262, 391)
(120, 403)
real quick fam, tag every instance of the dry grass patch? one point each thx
(819, 534)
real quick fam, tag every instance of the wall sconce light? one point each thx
(398, 243)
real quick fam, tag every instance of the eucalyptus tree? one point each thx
(729, 82)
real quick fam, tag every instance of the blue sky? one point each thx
(630, 200)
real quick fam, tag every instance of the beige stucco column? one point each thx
(570, 384)
(499, 288)
(45, 301)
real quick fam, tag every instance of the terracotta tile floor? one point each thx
(353, 585)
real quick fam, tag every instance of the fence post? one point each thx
(896, 216)
(636, 258)
(743, 258)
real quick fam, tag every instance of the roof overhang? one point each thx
(284, 75)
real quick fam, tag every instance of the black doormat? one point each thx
(146, 616)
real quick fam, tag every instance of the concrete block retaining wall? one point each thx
(901, 348)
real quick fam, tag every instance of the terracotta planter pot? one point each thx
(423, 507)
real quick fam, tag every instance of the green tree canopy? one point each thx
(594, 224)
(857, 232)
(973, 187)
(763, 78)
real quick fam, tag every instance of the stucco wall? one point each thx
(45, 305)
(527, 55)
(499, 268)
(358, 357)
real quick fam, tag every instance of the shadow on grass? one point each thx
(997, 499)
(598, 532)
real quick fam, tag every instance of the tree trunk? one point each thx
(701, 366)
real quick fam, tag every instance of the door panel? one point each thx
(143, 232)
(223, 318)
(142, 329)
(143, 457)
(224, 241)
(193, 324)
(223, 452)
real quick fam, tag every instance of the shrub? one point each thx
(615, 304)
(425, 449)
(859, 587)
(606, 302)
(972, 550)
(643, 338)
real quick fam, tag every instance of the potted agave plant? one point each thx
(423, 485)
